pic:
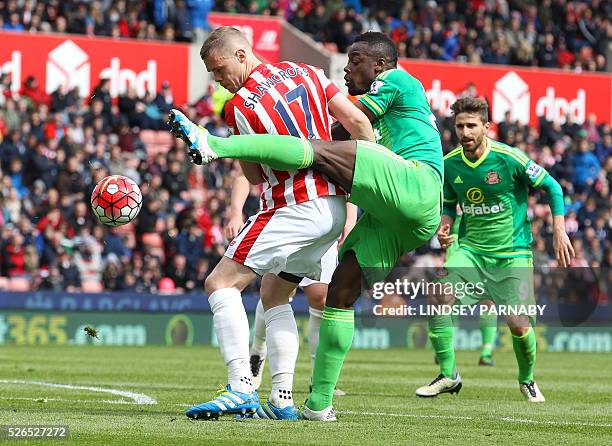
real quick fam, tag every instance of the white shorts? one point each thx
(329, 261)
(290, 240)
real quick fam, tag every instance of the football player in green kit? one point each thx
(490, 181)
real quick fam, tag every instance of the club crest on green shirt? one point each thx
(492, 177)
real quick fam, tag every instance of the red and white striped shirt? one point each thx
(286, 99)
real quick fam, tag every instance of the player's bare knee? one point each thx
(343, 294)
(319, 302)
(519, 326)
(213, 283)
(519, 330)
(217, 280)
(275, 291)
(316, 295)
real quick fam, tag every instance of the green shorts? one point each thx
(505, 281)
(401, 203)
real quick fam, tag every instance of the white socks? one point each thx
(259, 334)
(232, 329)
(314, 323)
(283, 346)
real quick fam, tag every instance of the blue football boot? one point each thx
(227, 401)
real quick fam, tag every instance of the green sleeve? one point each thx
(450, 200)
(536, 176)
(555, 194)
(383, 93)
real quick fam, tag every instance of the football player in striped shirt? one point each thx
(302, 215)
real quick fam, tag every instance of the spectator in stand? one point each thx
(13, 23)
(71, 276)
(198, 13)
(32, 90)
(164, 99)
(586, 165)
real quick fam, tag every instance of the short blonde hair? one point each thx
(220, 40)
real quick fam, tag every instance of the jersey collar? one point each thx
(480, 160)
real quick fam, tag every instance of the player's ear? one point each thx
(240, 54)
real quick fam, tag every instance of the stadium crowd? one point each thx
(548, 33)
(53, 149)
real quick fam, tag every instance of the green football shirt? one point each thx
(492, 193)
(405, 123)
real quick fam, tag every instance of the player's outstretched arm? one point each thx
(351, 118)
(240, 193)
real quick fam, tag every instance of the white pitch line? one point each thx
(570, 423)
(456, 417)
(69, 400)
(138, 398)
(380, 414)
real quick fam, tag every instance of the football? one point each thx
(116, 200)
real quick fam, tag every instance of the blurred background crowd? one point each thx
(54, 148)
(547, 33)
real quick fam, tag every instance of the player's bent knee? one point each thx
(343, 294)
(228, 274)
(212, 284)
(345, 286)
(316, 295)
(519, 326)
(519, 330)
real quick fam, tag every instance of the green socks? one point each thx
(525, 351)
(441, 333)
(335, 339)
(280, 152)
(488, 330)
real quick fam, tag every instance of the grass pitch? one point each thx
(380, 407)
